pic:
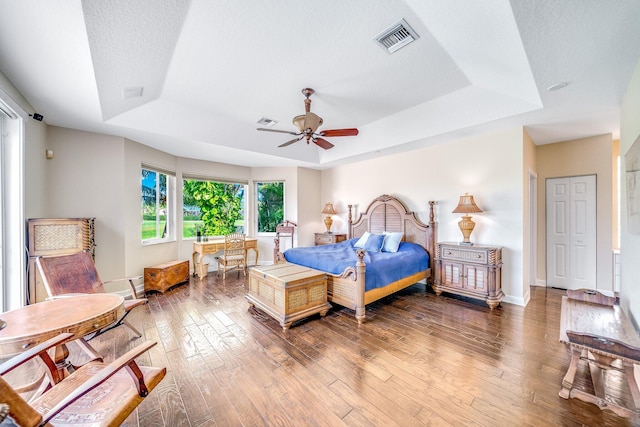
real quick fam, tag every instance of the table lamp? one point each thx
(328, 211)
(466, 205)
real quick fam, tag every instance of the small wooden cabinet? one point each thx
(472, 271)
(329, 238)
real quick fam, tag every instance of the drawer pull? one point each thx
(478, 256)
(26, 345)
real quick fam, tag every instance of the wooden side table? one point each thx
(472, 271)
(329, 238)
(80, 314)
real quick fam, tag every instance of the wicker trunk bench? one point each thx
(288, 292)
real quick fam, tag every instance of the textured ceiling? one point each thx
(209, 70)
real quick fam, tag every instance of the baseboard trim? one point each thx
(515, 300)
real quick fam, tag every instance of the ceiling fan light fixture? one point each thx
(307, 124)
(312, 121)
(298, 122)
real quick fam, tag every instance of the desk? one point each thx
(200, 249)
(599, 334)
(80, 315)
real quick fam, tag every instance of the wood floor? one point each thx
(418, 360)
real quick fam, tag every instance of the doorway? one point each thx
(571, 232)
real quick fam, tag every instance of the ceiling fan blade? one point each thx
(322, 143)
(279, 131)
(339, 132)
(290, 142)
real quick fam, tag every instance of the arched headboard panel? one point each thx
(387, 213)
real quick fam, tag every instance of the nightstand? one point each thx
(472, 271)
(329, 238)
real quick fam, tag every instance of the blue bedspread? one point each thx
(382, 267)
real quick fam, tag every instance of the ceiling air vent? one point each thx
(397, 36)
(267, 122)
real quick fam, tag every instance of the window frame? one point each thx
(12, 220)
(256, 209)
(170, 221)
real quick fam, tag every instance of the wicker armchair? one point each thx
(234, 255)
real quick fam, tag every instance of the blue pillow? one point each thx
(362, 240)
(374, 243)
(391, 241)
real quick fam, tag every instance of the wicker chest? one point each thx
(288, 292)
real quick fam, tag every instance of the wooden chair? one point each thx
(234, 254)
(97, 394)
(76, 273)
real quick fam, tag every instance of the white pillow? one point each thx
(391, 241)
(362, 240)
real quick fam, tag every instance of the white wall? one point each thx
(443, 173)
(85, 179)
(629, 242)
(309, 205)
(35, 142)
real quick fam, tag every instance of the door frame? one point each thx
(533, 228)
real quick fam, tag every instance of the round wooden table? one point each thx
(79, 314)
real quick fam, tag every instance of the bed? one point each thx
(349, 282)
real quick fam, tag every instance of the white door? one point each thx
(571, 232)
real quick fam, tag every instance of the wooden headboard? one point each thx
(386, 213)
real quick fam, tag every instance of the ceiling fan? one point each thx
(307, 125)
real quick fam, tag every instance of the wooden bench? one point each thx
(163, 276)
(598, 332)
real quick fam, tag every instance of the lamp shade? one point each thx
(467, 205)
(328, 209)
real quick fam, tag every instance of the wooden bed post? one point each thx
(432, 243)
(349, 232)
(276, 249)
(359, 295)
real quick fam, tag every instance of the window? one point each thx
(212, 208)
(12, 236)
(158, 205)
(270, 205)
